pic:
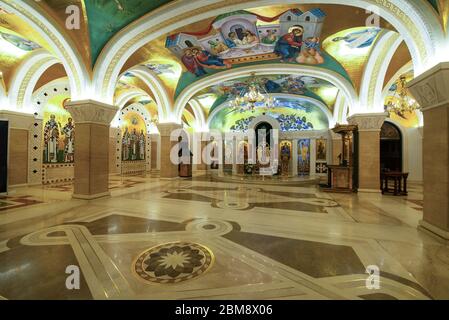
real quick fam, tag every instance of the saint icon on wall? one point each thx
(321, 154)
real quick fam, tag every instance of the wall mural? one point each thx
(107, 17)
(293, 115)
(58, 131)
(133, 137)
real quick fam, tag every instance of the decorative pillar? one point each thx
(369, 126)
(92, 121)
(169, 170)
(431, 90)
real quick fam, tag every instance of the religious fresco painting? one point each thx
(321, 150)
(293, 114)
(241, 37)
(312, 87)
(304, 157)
(58, 131)
(351, 48)
(133, 137)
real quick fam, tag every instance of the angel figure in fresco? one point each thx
(289, 45)
(359, 39)
(69, 149)
(51, 140)
(142, 145)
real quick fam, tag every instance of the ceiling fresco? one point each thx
(107, 17)
(321, 90)
(17, 41)
(352, 48)
(293, 114)
(325, 36)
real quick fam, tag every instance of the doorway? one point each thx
(390, 148)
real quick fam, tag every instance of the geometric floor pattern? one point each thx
(198, 239)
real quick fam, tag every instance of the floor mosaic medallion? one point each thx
(173, 262)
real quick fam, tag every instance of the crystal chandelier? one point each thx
(253, 96)
(401, 102)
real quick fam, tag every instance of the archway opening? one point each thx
(390, 148)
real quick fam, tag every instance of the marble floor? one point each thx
(203, 239)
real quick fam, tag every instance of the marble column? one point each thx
(92, 120)
(369, 126)
(431, 90)
(168, 170)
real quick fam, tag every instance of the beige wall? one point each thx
(18, 157)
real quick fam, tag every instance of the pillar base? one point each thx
(434, 231)
(91, 196)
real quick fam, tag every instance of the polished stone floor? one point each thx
(203, 239)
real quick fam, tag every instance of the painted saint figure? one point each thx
(126, 142)
(142, 145)
(134, 145)
(289, 45)
(192, 64)
(69, 149)
(51, 140)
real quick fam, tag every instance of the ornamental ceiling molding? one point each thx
(26, 77)
(421, 36)
(157, 87)
(315, 102)
(44, 25)
(375, 71)
(263, 70)
(431, 88)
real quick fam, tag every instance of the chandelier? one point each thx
(401, 102)
(253, 96)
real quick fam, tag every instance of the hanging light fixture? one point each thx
(401, 102)
(253, 96)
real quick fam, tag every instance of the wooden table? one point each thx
(399, 183)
